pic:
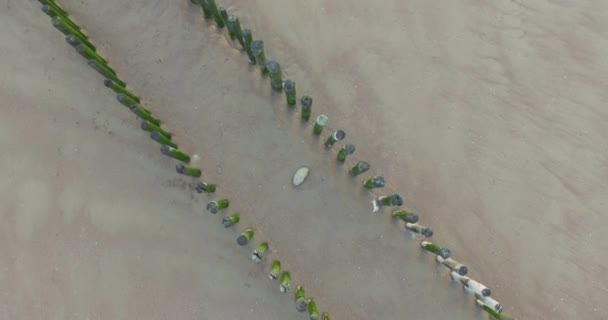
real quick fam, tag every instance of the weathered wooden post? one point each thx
(374, 182)
(259, 252)
(320, 123)
(104, 71)
(235, 24)
(386, 201)
(217, 205)
(275, 270)
(285, 282)
(144, 114)
(120, 89)
(300, 299)
(67, 29)
(491, 312)
(275, 73)
(436, 249)
(418, 230)
(313, 311)
(89, 54)
(158, 137)
(188, 171)
(359, 168)
(245, 237)
(202, 186)
(453, 265)
(346, 150)
(150, 127)
(290, 92)
(230, 220)
(248, 39)
(257, 48)
(338, 135)
(405, 216)
(306, 102)
(175, 154)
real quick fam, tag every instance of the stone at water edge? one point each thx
(300, 176)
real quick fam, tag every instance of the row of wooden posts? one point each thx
(255, 51)
(78, 39)
(256, 54)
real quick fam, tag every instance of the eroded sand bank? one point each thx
(115, 234)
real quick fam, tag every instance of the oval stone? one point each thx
(300, 176)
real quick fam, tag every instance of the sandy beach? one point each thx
(489, 118)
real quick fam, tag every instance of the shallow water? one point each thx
(126, 238)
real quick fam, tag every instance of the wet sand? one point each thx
(115, 233)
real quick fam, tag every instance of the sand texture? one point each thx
(489, 118)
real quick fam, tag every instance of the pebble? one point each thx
(300, 176)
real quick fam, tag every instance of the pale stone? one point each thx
(300, 176)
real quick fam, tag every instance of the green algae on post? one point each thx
(120, 89)
(207, 12)
(338, 135)
(217, 205)
(247, 40)
(66, 29)
(290, 92)
(144, 114)
(453, 265)
(230, 220)
(385, 201)
(67, 26)
(72, 40)
(104, 71)
(149, 126)
(494, 314)
(418, 230)
(202, 186)
(245, 237)
(275, 270)
(306, 102)
(491, 303)
(320, 123)
(259, 252)
(359, 168)
(436, 249)
(313, 311)
(257, 48)
(405, 216)
(224, 15)
(236, 30)
(345, 151)
(89, 54)
(52, 11)
(374, 182)
(175, 154)
(300, 299)
(391, 200)
(285, 282)
(125, 100)
(217, 16)
(276, 77)
(55, 6)
(188, 171)
(229, 25)
(158, 137)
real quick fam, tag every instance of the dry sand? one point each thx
(488, 119)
